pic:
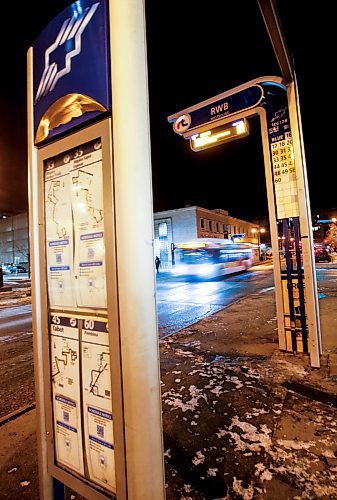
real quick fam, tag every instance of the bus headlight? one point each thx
(180, 270)
(205, 270)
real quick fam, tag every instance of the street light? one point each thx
(258, 231)
(281, 242)
(254, 231)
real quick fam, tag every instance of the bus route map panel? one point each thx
(78, 338)
(65, 367)
(96, 390)
(74, 227)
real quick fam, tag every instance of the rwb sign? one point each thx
(217, 108)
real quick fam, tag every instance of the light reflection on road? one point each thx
(182, 303)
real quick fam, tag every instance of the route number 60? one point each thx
(89, 324)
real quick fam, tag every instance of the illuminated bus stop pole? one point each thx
(190, 122)
(135, 294)
(273, 232)
(314, 338)
(45, 480)
(135, 268)
(273, 25)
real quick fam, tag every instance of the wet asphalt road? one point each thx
(16, 348)
(18, 321)
(181, 303)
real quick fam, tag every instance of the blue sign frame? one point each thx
(218, 109)
(71, 70)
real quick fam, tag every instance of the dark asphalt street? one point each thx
(183, 302)
(179, 305)
(232, 426)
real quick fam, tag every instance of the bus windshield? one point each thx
(196, 256)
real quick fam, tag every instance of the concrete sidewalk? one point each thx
(241, 420)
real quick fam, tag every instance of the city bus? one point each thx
(207, 259)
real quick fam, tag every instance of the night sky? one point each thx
(195, 51)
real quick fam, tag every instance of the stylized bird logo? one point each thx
(278, 115)
(69, 41)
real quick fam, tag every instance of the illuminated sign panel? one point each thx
(217, 109)
(282, 155)
(214, 137)
(191, 245)
(71, 70)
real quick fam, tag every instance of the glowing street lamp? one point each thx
(258, 232)
(281, 242)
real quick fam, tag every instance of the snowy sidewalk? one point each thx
(240, 419)
(236, 422)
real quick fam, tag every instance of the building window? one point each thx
(162, 229)
(210, 225)
(217, 226)
(202, 224)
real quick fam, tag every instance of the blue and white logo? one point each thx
(71, 69)
(69, 37)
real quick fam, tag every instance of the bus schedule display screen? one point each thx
(216, 136)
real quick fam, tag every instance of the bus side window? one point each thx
(234, 256)
(223, 256)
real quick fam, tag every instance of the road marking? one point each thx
(16, 336)
(264, 290)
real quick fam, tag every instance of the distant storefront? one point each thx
(185, 224)
(14, 240)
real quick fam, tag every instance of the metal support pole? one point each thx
(273, 234)
(273, 26)
(45, 480)
(290, 285)
(314, 333)
(135, 272)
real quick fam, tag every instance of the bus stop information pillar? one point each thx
(95, 335)
(222, 118)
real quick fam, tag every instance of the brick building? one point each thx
(185, 224)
